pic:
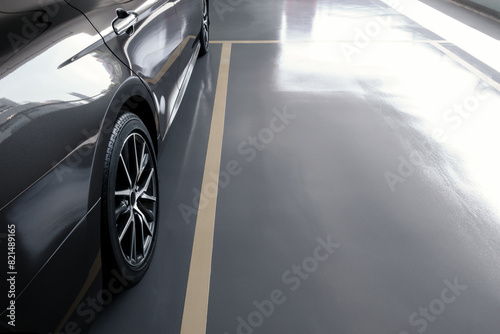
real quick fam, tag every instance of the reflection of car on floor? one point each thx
(88, 90)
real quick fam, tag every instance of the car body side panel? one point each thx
(190, 20)
(60, 76)
(61, 89)
(55, 87)
(152, 51)
(49, 214)
(76, 272)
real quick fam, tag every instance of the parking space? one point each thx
(332, 169)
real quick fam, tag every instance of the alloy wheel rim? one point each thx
(135, 200)
(205, 23)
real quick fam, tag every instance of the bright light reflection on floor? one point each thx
(476, 43)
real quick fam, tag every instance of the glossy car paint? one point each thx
(159, 50)
(61, 88)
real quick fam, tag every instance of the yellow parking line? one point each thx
(194, 318)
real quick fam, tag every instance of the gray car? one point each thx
(88, 91)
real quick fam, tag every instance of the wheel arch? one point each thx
(142, 109)
(131, 96)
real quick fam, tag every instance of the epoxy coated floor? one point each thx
(358, 186)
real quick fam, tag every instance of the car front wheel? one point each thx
(130, 200)
(205, 30)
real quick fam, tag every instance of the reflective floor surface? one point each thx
(358, 189)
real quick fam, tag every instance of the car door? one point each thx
(145, 35)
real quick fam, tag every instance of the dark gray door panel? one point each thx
(146, 37)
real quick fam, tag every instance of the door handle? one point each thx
(124, 22)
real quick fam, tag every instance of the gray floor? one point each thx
(368, 196)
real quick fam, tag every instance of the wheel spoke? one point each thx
(144, 220)
(148, 214)
(150, 231)
(127, 226)
(146, 184)
(123, 193)
(144, 161)
(125, 168)
(148, 197)
(136, 156)
(143, 241)
(133, 244)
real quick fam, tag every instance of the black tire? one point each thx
(205, 29)
(129, 202)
